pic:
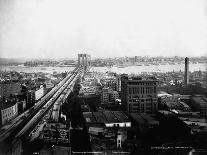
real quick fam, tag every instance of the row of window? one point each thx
(142, 100)
(7, 110)
(7, 115)
(142, 83)
(142, 90)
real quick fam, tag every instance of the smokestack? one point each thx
(186, 79)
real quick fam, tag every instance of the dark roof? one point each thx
(105, 117)
(138, 118)
(110, 116)
(6, 105)
(100, 117)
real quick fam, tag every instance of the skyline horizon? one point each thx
(104, 57)
(96, 57)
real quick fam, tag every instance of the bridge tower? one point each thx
(84, 60)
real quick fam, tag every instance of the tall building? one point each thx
(138, 94)
(30, 100)
(186, 79)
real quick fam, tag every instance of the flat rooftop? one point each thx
(105, 117)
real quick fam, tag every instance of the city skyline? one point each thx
(54, 29)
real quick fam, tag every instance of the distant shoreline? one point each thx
(127, 69)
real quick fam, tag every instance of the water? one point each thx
(127, 70)
(36, 69)
(153, 68)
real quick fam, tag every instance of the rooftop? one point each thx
(137, 118)
(148, 118)
(200, 100)
(105, 117)
(6, 105)
(139, 78)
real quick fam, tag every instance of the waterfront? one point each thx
(127, 70)
(36, 69)
(152, 68)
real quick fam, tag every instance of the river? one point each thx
(127, 70)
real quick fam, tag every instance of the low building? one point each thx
(108, 128)
(56, 132)
(173, 102)
(181, 113)
(144, 121)
(56, 150)
(195, 124)
(150, 120)
(108, 118)
(199, 103)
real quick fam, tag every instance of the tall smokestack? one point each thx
(186, 79)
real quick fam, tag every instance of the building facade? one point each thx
(39, 93)
(138, 94)
(105, 95)
(109, 95)
(30, 100)
(8, 112)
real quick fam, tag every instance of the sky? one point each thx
(102, 28)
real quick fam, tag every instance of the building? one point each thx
(109, 95)
(105, 95)
(139, 94)
(186, 78)
(111, 83)
(30, 100)
(108, 118)
(195, 124)
(8, 88)
(173, 103)
(118, 83)
(107, 129)
(21, 106)
(113, 95)
(199, 103)
(56, 132)
(144, 121)
(9, 110)
(39, 93)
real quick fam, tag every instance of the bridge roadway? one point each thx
(59, 96)
(27, 120)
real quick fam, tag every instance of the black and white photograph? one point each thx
(103, 77)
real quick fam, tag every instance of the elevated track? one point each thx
(25, 122)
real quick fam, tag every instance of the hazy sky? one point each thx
(102, 28)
